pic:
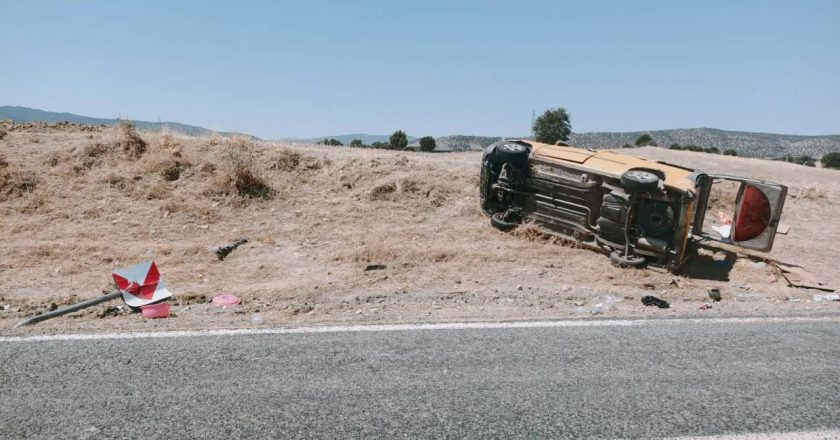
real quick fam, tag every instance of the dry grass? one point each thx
(324, 213)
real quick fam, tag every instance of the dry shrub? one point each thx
(239, 176)
(129, 140)
(15, 182)
(90, 156)
(399, 189)
(383, 191)
(165, 158)
(119, 182)
(3, 133)
(287, 160)
(55, 159)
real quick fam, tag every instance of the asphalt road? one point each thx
(657, 379)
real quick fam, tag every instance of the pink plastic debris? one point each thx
(159, 310)
(226, 300)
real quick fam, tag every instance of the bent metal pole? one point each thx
(69, 309)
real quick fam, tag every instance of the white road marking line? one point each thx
(411, 327)
(798, 435)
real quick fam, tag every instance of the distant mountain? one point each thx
(25, 114)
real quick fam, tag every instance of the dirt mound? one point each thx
(78, 204)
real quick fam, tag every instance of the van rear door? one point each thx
(739, 211)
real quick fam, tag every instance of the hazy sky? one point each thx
(311, 68)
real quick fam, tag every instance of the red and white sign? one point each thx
(141, 284)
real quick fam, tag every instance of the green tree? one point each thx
(552, 126)
(831, 160)
(398, 140)
(380, 145)
(357, 143)
(427, 143)
(676, 147)
(730, 152)
(628, 146)
(645, 140)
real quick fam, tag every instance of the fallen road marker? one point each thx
(139, 285)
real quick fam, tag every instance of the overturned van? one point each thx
(639, 211)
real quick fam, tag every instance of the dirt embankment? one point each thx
(75, 204)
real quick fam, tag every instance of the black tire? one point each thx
(618, 259)
(639, 180)
(656, 218)
(511, 152)
(505, 221)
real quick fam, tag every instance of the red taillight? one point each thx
(753, 214)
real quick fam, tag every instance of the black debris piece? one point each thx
(654, 301)
(375, 267)
(225, 250)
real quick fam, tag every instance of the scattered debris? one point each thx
(706, 306)
(783, 229)
(797, 276)
(749, 297)
(256, 319)
(375, 267)
(226, 300)
(224, 251)
(675, 282)
(793, 299)
(599, 305)
(152, 311)
(827, 297)
(650, 286)
(759, 265)
(714, 294)
(654, 301)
